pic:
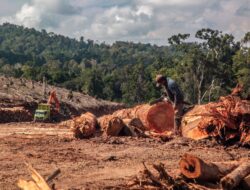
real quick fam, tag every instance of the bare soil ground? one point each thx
(96, 163)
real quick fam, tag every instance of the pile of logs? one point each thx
(157, 118)
(15, 114)
(125, 123)
(226, 120)
(196, 174)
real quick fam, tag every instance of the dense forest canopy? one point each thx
(125, 71)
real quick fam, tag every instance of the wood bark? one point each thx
(234, 178)
(193, 167)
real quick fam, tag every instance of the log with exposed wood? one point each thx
(83, 126)
(111, 126)
(230, 173)
(158, 117)
(193, 167)
(134, 127)
(37, 182)
(225, 120)
(234, 178)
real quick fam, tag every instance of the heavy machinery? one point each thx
(43, 111)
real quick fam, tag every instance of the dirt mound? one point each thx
(14, 114)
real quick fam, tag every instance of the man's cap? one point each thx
(158, 79)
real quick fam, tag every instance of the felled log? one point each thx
(111, 126)
(166, 136)
(190, 122)
(234, 178)
(14, 114)
(193, 167)
(134, 127)
(135, 122)
(225, 120)
(83, 126)
(158, 117)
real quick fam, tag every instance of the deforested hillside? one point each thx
(22, 92)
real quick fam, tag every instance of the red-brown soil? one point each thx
(96, 163)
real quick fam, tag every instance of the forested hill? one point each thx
(124, 71)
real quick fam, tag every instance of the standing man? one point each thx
(175, 96)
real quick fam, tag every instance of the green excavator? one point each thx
(43, 111)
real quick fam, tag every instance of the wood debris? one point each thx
(196, 174)
(37, 182)
(227, 120)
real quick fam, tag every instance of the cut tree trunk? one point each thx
(83, 126)
(111, 126)
(158, 117)
(135, 122)
(190, 122)
(234, 178)
(193, 167)
(226, 120)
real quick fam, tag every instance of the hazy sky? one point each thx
(130, 20)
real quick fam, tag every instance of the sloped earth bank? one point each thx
(96, 163)
(27, 94)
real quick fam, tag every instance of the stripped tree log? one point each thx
(193, 167)
(234, 178)
(158, 117)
